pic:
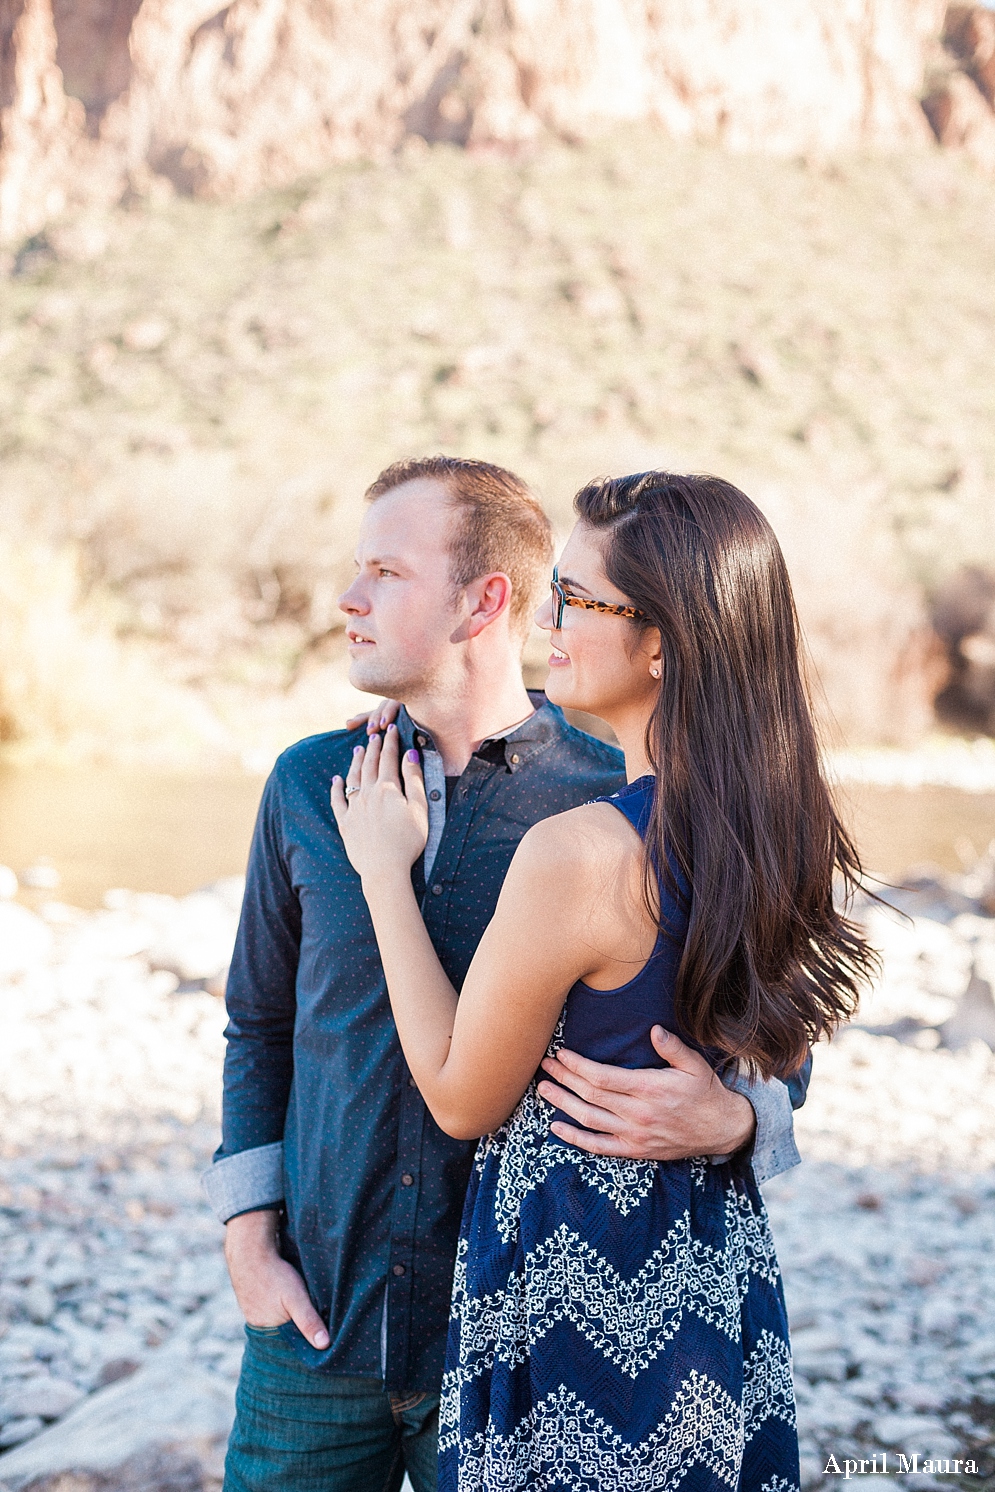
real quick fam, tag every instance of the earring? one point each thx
(655, 673)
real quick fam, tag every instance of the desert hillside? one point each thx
(196, 394)
(254, 254)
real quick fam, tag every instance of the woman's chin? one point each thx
(558, 691)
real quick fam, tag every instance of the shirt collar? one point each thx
(521, 743)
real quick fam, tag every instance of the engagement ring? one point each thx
(350, 790)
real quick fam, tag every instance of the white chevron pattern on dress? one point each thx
(567, 1280)
(527, 1154)
(564, 1444)
(768, 1388)
(629, 1321)
(704, 1427)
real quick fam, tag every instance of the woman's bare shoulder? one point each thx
(594, 833)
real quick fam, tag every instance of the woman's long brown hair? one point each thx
(770, 963)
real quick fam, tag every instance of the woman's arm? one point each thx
(473, 1057)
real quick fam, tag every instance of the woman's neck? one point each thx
(631, 736)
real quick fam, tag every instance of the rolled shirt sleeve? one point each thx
(247, 1182)
(773, 1147)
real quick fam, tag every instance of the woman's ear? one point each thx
(653, 653)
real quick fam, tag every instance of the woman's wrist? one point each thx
(386, 881)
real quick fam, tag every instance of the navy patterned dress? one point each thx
(617, 1326)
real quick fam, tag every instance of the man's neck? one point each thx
(459, 722)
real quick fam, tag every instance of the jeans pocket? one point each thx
(262, 1331)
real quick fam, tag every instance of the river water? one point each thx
(167, 831)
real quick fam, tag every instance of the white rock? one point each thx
(170, 1402)
(113, 934)
(914, 1433)
(39, 1302)
(926, 969)
(18, 1430)
(46, 1397)
(25, 940)
(198, 942)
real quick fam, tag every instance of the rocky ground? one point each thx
(120, 1342)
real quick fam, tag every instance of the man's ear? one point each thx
(488, 598)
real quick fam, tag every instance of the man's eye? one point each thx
(387, 572)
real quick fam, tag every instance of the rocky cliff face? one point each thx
(100, 95)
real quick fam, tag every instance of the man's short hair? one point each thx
(501, 525)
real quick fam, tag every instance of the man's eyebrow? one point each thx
(384, 559)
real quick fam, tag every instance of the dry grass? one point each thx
(195, 395)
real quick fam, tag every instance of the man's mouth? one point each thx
(357, 639)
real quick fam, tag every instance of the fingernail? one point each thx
(383, 721)
(335, 780)
(356, 750)
(321, 1339)
(412, 755)
(391, 727)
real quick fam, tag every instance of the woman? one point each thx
(621, 1324)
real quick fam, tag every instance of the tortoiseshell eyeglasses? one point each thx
(562, 597)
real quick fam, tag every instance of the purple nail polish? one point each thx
(391, 727)
(413, 755)
(356, 750)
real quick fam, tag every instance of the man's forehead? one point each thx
(424, 494)
(412, 518)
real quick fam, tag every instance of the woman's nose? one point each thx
(544, 616)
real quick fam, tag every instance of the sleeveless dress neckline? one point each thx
(617, 1325)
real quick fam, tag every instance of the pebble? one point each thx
(109, 1105)
(43, 1397)
(38, 1302)
(18, 1430)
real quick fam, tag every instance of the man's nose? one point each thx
(352, 601)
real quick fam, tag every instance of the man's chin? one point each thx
(365, 675)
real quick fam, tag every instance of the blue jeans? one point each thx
(300, 1431)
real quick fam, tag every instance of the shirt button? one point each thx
(420, 740)
(398, 1270)
(435, 795)
(515, 758)
(407, 1179)
(412, 1083)
(436, 889)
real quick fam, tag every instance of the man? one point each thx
(342, 1197)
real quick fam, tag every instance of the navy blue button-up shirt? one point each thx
(373, 1190)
